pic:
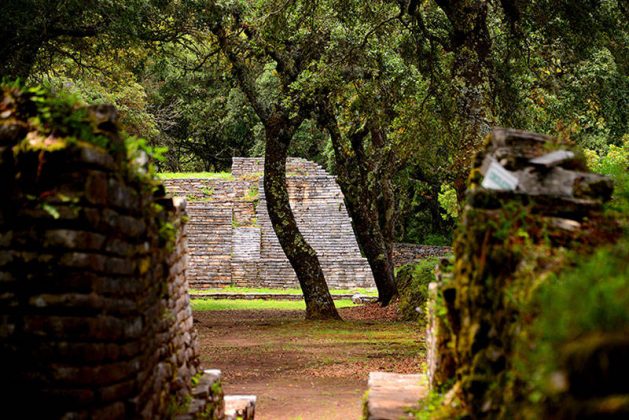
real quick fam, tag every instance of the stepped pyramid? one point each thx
(232, 242)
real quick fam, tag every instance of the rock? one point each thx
(391, 395)
(359, 299)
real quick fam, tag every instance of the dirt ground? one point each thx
(305, 370)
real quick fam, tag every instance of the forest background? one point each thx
(402, 90)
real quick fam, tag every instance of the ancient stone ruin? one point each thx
(231, 239)
(95, 317)
(531, 202)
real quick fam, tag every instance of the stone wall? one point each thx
(404, 253)
(531, 207)
(95, 320)
(243, 249)
(248, 167)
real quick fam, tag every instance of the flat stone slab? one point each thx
(392, 395)
(241, 407)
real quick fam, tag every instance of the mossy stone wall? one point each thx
(95, 320)
(507, 244)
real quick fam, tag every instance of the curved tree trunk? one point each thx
(371, 218)
(279, 131)
(378, 253)
(302, 257)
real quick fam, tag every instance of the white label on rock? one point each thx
(498, 178)
(553, 158)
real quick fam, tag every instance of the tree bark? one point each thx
(279, 131)
(371, 217)
(471, 43)
(303, 258)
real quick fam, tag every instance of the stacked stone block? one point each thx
(256, 257)
(209, 252)
(252, 167)
(95, 320)
(404, 253)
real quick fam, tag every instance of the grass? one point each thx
(288, 291)
(245, 304)
(205, 175)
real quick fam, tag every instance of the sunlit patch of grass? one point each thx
(251, 304)
(288, 291)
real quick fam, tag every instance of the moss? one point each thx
(253, 194)
(365, 405)
(177, 406)
(578, 312)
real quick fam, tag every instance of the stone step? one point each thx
(275, 296)
(207, 398)
(241, 407)
(392, 396)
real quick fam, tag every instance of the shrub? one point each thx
(412, 282)
(574, 306)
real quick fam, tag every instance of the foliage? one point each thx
(399, 66)
(412, 281)
(615, 164)
(57, 119)
(105, 79)
(588, 300)
(203, 117)
(448, 201)
(591, 297)
(38, 32)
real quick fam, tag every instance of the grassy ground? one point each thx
(205, 175)
(291, 291)
(247, 304)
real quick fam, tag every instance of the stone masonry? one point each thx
(232, 242)
(530, 203)
(95, 316)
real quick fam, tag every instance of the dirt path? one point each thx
(304, 370)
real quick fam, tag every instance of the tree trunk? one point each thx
(471, 44)
(279, 131)
(378, 253)
(361, 198)
(302, 257)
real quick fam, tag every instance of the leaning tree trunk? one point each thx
(361, 199)
(302, 257)
(374, 246)
(279, 130)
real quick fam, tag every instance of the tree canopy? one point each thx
(394, 97)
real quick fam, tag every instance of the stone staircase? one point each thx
(393, 396)
(209, 402)
(231, 238)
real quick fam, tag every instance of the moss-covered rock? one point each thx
(508, 245)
